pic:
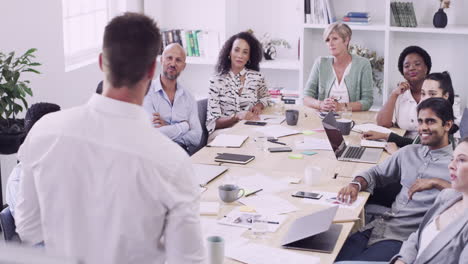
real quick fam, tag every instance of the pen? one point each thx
(276, 142)
(252, 193)
(268, 222)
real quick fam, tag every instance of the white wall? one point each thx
(38, 24)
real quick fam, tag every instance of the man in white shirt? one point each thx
(172, 108)
(99, 184)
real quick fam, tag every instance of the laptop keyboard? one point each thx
(354, 152)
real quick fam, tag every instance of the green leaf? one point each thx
(31, 70)
(29, 51)
(35, 64)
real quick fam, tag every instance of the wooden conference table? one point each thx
(278, 166)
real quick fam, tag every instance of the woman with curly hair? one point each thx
(238, 90)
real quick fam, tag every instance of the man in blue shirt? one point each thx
(172, 108)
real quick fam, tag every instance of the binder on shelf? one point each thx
(307, 14)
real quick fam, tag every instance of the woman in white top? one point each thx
(414, 64)
(238, 91)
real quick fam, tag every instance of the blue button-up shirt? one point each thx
(176, 115)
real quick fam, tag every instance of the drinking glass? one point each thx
(259, 229)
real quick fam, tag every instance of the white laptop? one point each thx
(206, 173)
(344, 152)
(314, 232)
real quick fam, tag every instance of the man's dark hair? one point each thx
(36, 112)
(418, 50)
(442, 108)
(256, 53)
(445, 83)
(131, 43)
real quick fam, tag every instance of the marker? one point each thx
(252, 193)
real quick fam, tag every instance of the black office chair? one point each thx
(381, 200)
(7, 222)
(202, 106)
(464, 124)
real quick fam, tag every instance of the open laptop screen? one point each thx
(334, 135)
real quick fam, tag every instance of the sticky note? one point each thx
(246, 209)
(295, 156)
(309, 153)
(308, 132)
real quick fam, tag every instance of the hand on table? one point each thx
(328, 104)
(399, 262)
(158, 121)
(374, 135)
(348, 194)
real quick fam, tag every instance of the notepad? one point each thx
(373, 143)
(277, 131)
(229, 141)
(368, 127)
(234, 158)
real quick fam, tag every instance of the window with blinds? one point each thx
(83, 28)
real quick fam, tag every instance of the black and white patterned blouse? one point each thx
(224, 100)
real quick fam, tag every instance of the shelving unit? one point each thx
(446, 46)
(285, 19)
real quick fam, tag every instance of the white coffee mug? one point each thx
(312, 175)
(215, 248)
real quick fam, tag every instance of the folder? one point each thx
(234, 158)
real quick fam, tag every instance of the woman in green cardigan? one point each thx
(341, 79)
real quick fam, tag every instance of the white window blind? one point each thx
(83, 29)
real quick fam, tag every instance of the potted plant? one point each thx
(269, 46)
(13, 92)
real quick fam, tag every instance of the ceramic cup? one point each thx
(215, 248)
(229, 193)
(292, 116)
(345, 126)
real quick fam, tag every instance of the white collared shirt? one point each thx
(405, 115)
(101, 185)
(339, 89)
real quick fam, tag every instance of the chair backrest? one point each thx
(464, 124)
(7, 222)
(202, 105)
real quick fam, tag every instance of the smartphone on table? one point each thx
(255, 123)
(280, 149)
(309, 195)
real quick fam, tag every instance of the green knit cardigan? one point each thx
(359, 80)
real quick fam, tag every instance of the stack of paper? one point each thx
(268, 185)
(209, 208)
(277, 131)
(225, 140)
(329, 198)
(269, 204)
(259, 254)
(246, 220)
(374, 127)
(272, 119)
(373, 143)
(313, 143)
(232, 235)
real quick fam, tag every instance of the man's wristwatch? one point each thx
(356, 183)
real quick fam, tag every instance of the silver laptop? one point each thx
(206, 173)
(314, 232)
(344, 152)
